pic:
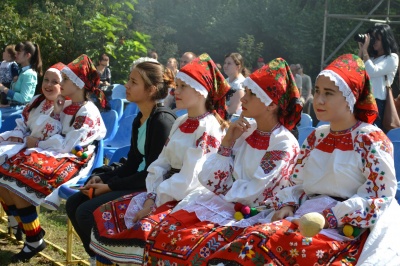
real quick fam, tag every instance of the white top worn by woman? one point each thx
(377, 68)
(357, 166)
(191, 142)
(259, 166)
(236, 84)
(35, 124)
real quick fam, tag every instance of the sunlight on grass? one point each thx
(55, 225)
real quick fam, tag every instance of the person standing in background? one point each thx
(379, 53)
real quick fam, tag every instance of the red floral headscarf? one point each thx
(204, 76)
(349, 74)
(82, 72)
(274, 82)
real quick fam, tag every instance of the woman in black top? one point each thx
(148, 84)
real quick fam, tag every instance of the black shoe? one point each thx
(23, 256)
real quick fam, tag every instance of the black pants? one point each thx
(80, 211)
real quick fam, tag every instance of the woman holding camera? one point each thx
(379, 52)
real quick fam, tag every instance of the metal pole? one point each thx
(349, 35)
(324, 34)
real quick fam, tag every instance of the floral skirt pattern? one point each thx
(182, 239)
(35, 176)
(280, 243)
(113, 240)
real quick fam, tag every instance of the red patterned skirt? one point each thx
(280, 243)
(113, 240)
(182, 239)
(35, 176)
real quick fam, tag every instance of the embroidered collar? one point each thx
(345, 131)
(73, 108)
(260, 139)
(46, 106)
(192, 123)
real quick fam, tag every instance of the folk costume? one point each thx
(250, 174)
(348, 177)
(33, 174)
(34, 122)
(172, 177)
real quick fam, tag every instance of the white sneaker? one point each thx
(92, 261)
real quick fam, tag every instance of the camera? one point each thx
(361, 38)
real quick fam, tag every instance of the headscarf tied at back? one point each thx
(204, 76)
(274, 83)
(82, 72)
(349, 74)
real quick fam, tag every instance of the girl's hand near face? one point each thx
(236, 129)
(59, 104)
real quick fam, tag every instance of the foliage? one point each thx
(292, 29)
(66, 29)
(249, 49)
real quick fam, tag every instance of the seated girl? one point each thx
(148, 84)
(252, 165)
(345, 173)
(31, 175)
(119, 234)
(33, 124)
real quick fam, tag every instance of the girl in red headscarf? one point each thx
(345, 172)
(31, 177)
(253, 163)
(121, 231)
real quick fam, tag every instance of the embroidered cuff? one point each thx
(330, 218)
(224, 151)
(152, 196)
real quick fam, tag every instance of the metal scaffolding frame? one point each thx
(362, 18)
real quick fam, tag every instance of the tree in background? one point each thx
(65, 29)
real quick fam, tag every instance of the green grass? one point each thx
(55, 225)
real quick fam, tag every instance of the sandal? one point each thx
(23, 256)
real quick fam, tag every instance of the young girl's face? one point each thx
(230, 68)
(68, 88)
(185, 96)
(252, 106)
(21, 57)
(6, 56)
(329, 103)
(51, 87)
(135, 88)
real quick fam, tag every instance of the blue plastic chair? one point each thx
(118, 92)
(130, 109)
(180, 112)
(305, 121)
(9, 123)
(119, 153)
(110, 119)
(118, 106)
(394, 134)
(304, 132)
(121, 139)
